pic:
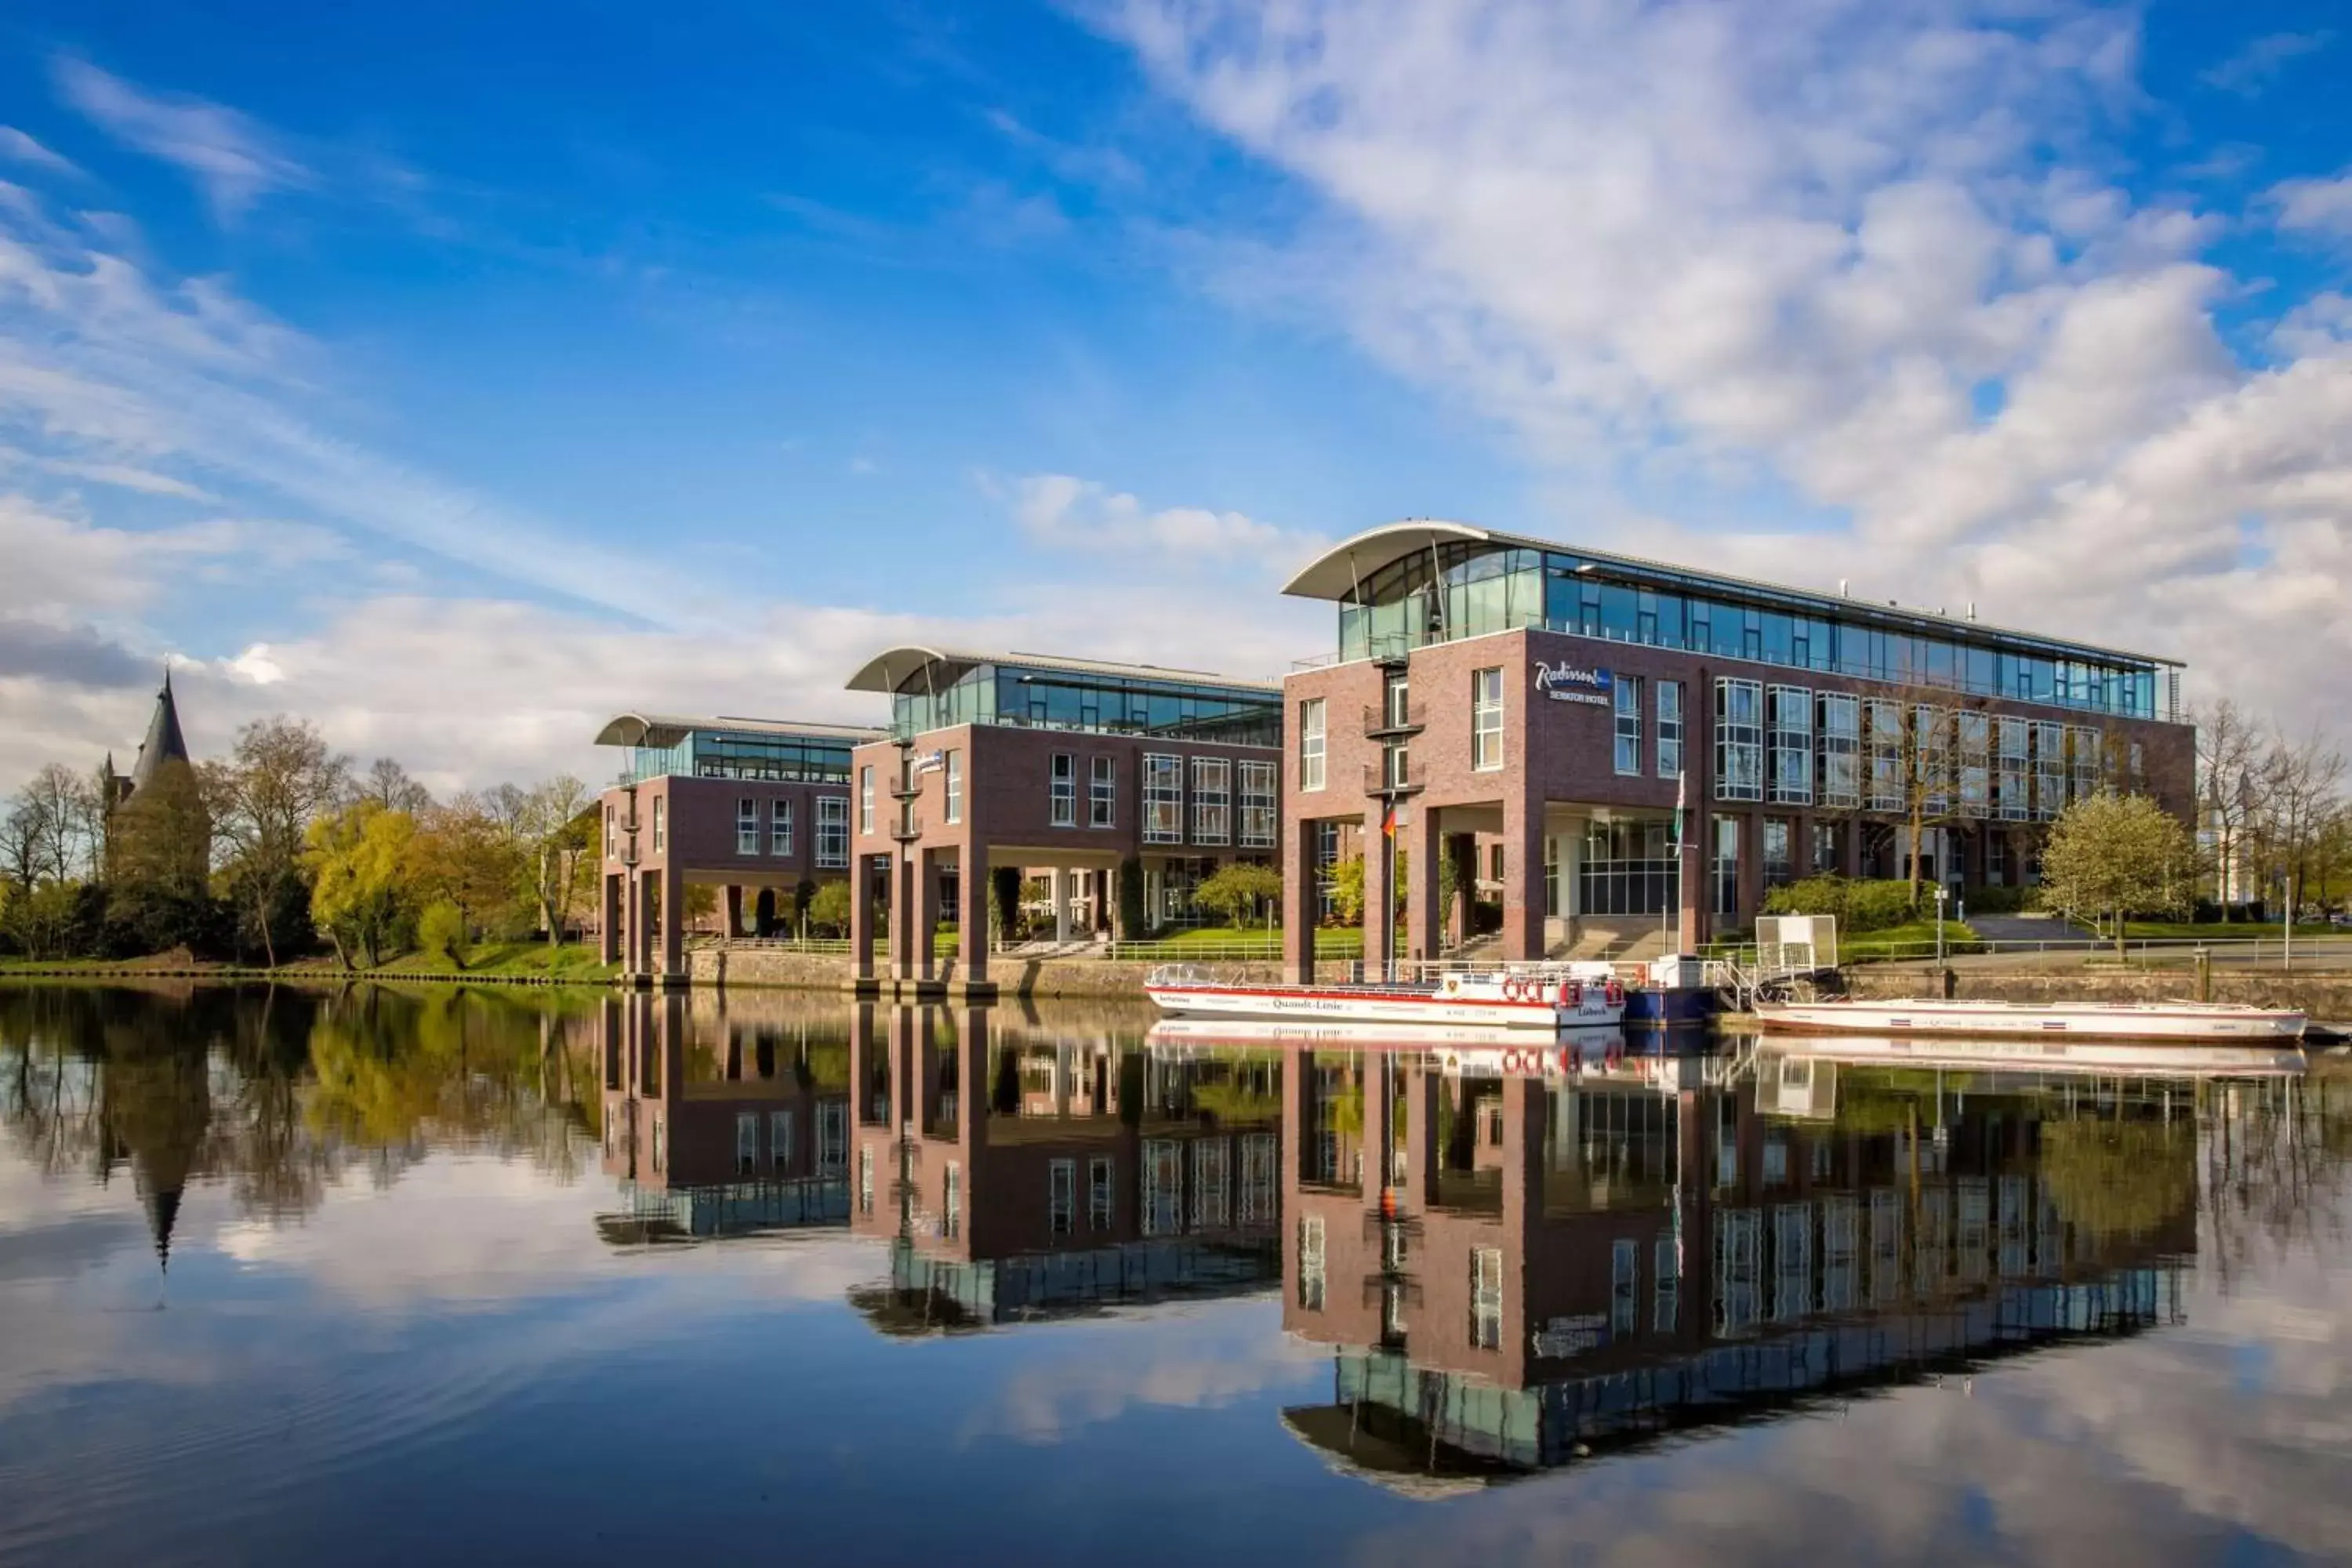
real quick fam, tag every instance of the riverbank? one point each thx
(506, 963)
(2322, 994)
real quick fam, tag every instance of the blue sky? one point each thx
(459, 374)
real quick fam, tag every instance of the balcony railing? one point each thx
(1382, 721)
(1382, 779)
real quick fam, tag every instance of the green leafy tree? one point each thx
(2118, 854)
(441, 932)
(360, 893)
(828, 909)
(1238, 891)
(280, 779)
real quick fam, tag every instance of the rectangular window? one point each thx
(661, 824)
(1102, 792)
(1310, 1262)
(866, 1178)
(1310, 744)
(747, 826)
(746, 1143)
(1163, 1186)
(1063, 791)
(1670, 729)
(1326, 870)
(832, 1137)
(1212, 1184)
(1931, 747)
(2049, 771)
(1789, 717)
(951, 1201)
(780, 1142)
(1886, 743)
(1666, 1283)
(611, 847)
(1726, 866)
(1974, 734)
(1624, 1285)
(953, 806)
(1739, 740)
(1099, 1194)
(2089, 763)
(866, 800)
(1627, 700)
(1838, 718)
(1261, 1156)
(1260, 812)
(1164, 799)
(1780, 863)
(832, 833)
(1826, 845)
(1213, 820)
(1487, 1297)
(1062, 1196)
(1486, 719)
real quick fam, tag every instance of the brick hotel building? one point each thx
(1085, 771)
(1536, 713)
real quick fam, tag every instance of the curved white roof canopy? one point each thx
(660, 731)
(1335, 573)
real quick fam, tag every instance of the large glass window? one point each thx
(1670, 729)
(2049, 771)
(1310, 744)
(1104, 699)
(1629, 867)
(1487, 1297)
(1310, 1262)
(1840, 746)
(661, 823)
(2012, 801)
(1826, 857)
(1260, 812)
(1486, 719)
(1212, 800)
(1061, 1196)
(1780, 861)
(953, 766)
(1887, 744)
(832, 833)
(1164, 799)
(612, 850)
(1102, 791)
(1974, 733)
(2089, 763)
(1628, 703)
(1739, 740)
(747, 826)
(1791, 718)
(1931, 748)
(780, 827)
(1725, 868)
(1212, 1184)
(1099, 1193)
(1062, 790)
(865, 799)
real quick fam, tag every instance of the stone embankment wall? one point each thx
(1013, 977)
(2325, 994)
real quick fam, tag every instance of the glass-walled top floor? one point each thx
(1460, 590)
(1104, 703)
(724, 754)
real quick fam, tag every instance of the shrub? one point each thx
(441, 932)
(828, 911)
(1857, 905)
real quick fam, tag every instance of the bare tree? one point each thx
(557, 828)
(280, 777)
(2300, 795)
(387, 784)
(58, 811)
(2230, 755)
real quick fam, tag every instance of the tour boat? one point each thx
(2158, 1058)
(1552, 996)
(2100, 1020)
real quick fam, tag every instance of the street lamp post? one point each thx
(1942, 892)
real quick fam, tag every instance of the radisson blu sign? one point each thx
(1565, 682)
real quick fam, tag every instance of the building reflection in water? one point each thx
(1517, 1271)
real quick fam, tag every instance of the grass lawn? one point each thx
(521, 960)
(1915, 939)
(1343, 942)
(2216, 931)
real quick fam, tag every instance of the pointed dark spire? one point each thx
(162, 1210)
(165, 742)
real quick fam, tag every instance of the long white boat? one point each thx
(1551, 997)
(2148, 1058)
(2096, 1020)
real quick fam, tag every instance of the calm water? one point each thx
(297, 1277)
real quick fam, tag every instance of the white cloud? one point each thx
(1062, 511)
(1863, 265)
(16, 147)
(2258, 64)
(2322, 207)
(234, 159)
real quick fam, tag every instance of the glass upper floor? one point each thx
(1457, 588)
(734, 749)
(931, 690)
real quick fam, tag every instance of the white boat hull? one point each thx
(2074, 1020)
(2017, 1054)
(1365, 1006)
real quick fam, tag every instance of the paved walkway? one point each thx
(2026, 927)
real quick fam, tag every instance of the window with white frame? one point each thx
(1212, 794)
(612, 848)
(1100, 1194)
(951, 1201)
(1062, 1196)
(1931, 751)
(2089, 761)
(1624, 1285)
(2049, 771)
(1163, 1186)
(780, 1142)
(832, 833)
(1670, 729)
(780, 827)
(1838, 716)
(1212, 1184)
(1261, 1156)
(1665, 1285)
(1973, 733)
(1063, 791)
(1310, 744)
(1780, 859)
(1626, 699)
(747, 826)
(746, 1143)
(1790, 718)
(832, 1138)
(1260, 810)
(1739, 740)
(1164, 799)
(2012, 798)
(1884, 734)
(865, 1179)
(1486, 719)
(1487, 1297)
(661, 825)
(1310, 1262)
(865, 799)
(1102, 792)
(952, 805)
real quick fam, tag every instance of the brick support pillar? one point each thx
(1420, 1151)
(927, 915)
(972, 913)
(642, 887)
(907, 898)
(1424, 854)
(1523, 871)
(861, 916)
(734, 910)
(608, 918)
(1461, 848)
(673, 922)
(1298, 903)
(1380, 899)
